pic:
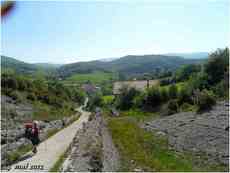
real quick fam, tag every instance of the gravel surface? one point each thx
(92, 149)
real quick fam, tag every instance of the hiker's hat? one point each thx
(36, 122)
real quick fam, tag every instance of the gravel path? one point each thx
(50, 150)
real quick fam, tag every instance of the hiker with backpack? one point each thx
(32, 133)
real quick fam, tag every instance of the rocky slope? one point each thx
(92, 149)
(202, 134)
(13, 118)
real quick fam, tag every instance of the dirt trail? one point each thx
(50, 150)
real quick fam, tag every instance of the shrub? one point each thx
(15, 95)
(108, 100)
(9, 82)
(199, 81)
(205, 100)
(172, 107)
(126, 98)
(173, 91)
(139, 100)
(153, 97)
(217, 65)
(187, 107)
(22, 83)
(184, 95)
(79, 96)
(166, 81)
(54, 100)
(31, 96)
(164, 95)
(221, 89)
(95, 101)
(185, 71)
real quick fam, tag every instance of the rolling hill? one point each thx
(131, 65)
(21, 67)
(18, 66)
(128, 66)
(191, 55)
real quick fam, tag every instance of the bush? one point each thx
(164, 95)
(108, 100)
(126, 98)
(169, 108)
(139, 100)
(15, 95)
(9, 82)
(206, 100)
(185, 95)
(95, 101)
(79, 96)
(199, 81)
(153, 97)
(185, 71)
(166, 81)
(173, 91)
(217, 65)
(31, 96)
(54, 100)
(22, 83)
(221, 89)
(185, 107)
(172, 107)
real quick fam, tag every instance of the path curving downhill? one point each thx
(51, 149)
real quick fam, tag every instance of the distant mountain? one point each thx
(192, 55)
(17, 66)
(107, 59)
(47, 65)
(130, 65)
(25, 68)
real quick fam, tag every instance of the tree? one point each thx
(126, 98)
(206, 100)
(153, 97)
(173, 91)
(164, 95)
(199, 81)
(185, 71)
(217, 65)
(185, 95)
(9, 82)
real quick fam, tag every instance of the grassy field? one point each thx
(147, 151)
(95, 77)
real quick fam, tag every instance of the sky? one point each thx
(65, 32)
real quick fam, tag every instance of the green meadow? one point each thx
(95, 77)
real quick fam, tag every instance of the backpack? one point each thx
(28, 131)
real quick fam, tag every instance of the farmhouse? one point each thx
(137, 84)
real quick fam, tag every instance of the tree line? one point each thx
(198, 85)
